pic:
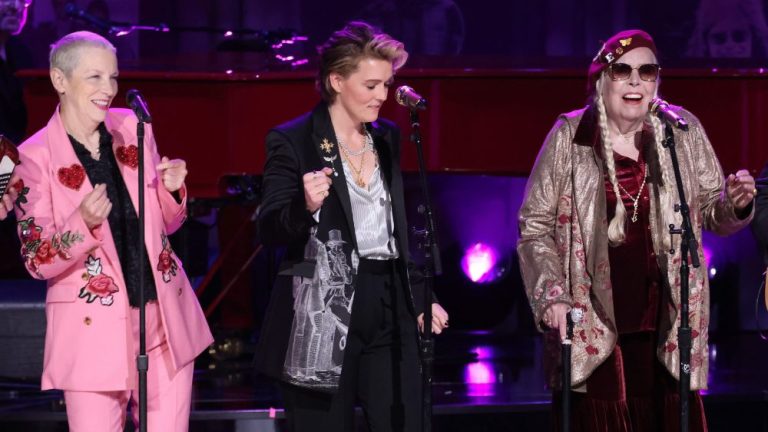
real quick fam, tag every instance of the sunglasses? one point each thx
(622, 71)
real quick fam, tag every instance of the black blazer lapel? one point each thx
(324, 139)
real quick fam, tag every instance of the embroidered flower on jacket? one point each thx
(38, 250)
(165, 263)
(45, 253)
(554, 292)
(22, 197)
(98, 286)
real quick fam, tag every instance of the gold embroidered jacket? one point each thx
(563, 246)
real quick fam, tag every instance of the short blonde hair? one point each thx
(342, 53)
(65, 52)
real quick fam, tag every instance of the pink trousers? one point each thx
(168, 391)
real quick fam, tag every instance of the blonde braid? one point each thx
(668, 191)
(616, 233)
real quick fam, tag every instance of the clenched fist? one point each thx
(96, 206)
(173, 172)
(316, 188)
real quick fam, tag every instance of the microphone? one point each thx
(662, 110)
(407, 97)
(75, 12)
(136, 102)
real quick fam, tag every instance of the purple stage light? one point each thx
(708, 255)
(479, 373)
(479, 263)
(480, 376)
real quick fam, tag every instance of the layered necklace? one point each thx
(347, 154)
(629, 140)
(635, 199)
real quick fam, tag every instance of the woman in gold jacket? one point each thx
(581, 247)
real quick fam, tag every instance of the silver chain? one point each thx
(368, 146)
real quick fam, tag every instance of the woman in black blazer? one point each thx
(341, 324)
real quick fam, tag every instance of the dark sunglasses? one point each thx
(622, 71)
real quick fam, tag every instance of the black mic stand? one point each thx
(688, 243)
(142, 361)
(432, 267)
(566, 375)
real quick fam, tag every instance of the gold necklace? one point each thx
(635, 200)
(358, 172)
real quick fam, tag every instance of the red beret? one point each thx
(615, 47)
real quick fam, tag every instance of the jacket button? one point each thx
(87, 321)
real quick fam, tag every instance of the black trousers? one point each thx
(381, 364)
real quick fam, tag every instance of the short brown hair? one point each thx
(342, 52)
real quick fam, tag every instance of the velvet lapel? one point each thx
(324, 141)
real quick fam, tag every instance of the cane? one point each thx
(571, 317)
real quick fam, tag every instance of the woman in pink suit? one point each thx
(77, 224)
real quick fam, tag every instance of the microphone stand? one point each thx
(142, 361)
(688, 244)
(432, 267)
(566, 365)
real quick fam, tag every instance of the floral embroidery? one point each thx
(554, 293)
(22, 198)
(72, 177)
(38, 251)
(165, 263)
(98, 285)
(592, 350)
(128, 155)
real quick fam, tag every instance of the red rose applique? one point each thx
(166, 265)
(128, 155)
(98, 285)
(38, 250)
(72, 177)
(101, 285)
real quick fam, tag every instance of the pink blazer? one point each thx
(88, 342)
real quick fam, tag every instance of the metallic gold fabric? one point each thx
(563, 246)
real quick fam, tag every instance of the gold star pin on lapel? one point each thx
(327, 146)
